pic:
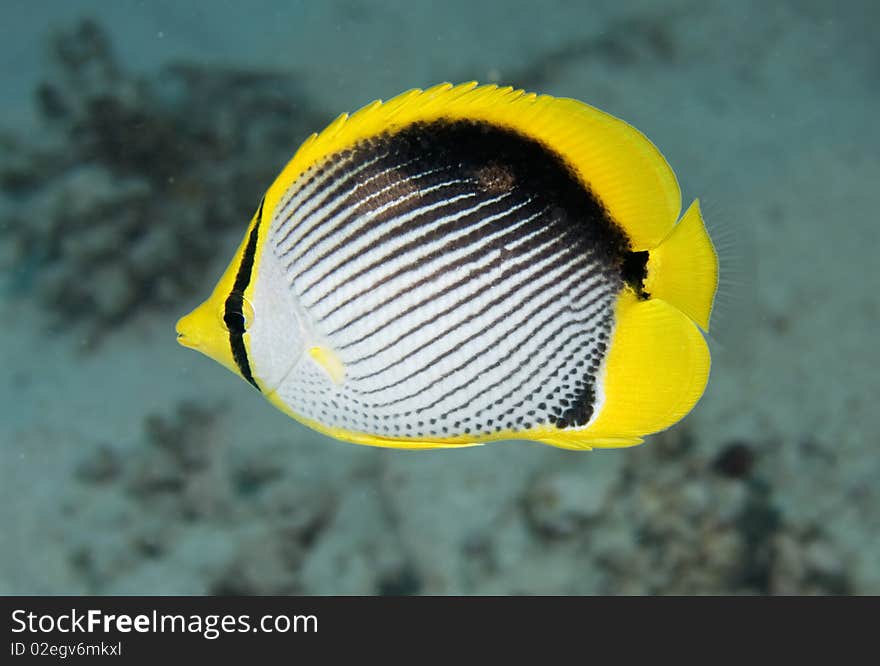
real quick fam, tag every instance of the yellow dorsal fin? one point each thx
(616, 161)
(683, 269)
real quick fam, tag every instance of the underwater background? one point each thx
(136, 141)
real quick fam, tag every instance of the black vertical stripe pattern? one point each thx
(233, 315)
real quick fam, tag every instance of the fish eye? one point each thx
(238, 313)
(234, 320)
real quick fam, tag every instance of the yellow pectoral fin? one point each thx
(329, 362)
(656, 371)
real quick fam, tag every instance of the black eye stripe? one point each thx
(233, 315)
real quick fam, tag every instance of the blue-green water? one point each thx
(138, 137)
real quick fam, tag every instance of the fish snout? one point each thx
(185, 333)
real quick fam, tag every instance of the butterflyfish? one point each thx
(466, 264)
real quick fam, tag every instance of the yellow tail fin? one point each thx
(683, 269)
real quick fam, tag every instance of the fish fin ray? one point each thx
(330, 362)
(575, 442)
(683, 269)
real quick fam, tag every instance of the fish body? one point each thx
(466, 264)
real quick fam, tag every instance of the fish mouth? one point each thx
(182, 338)
(185, 341)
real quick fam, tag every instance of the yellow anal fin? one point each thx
(656, 371)
(330, 362)
(576, 442)
(683, 269)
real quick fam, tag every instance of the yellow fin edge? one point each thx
(543, 435)
(617, 162)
